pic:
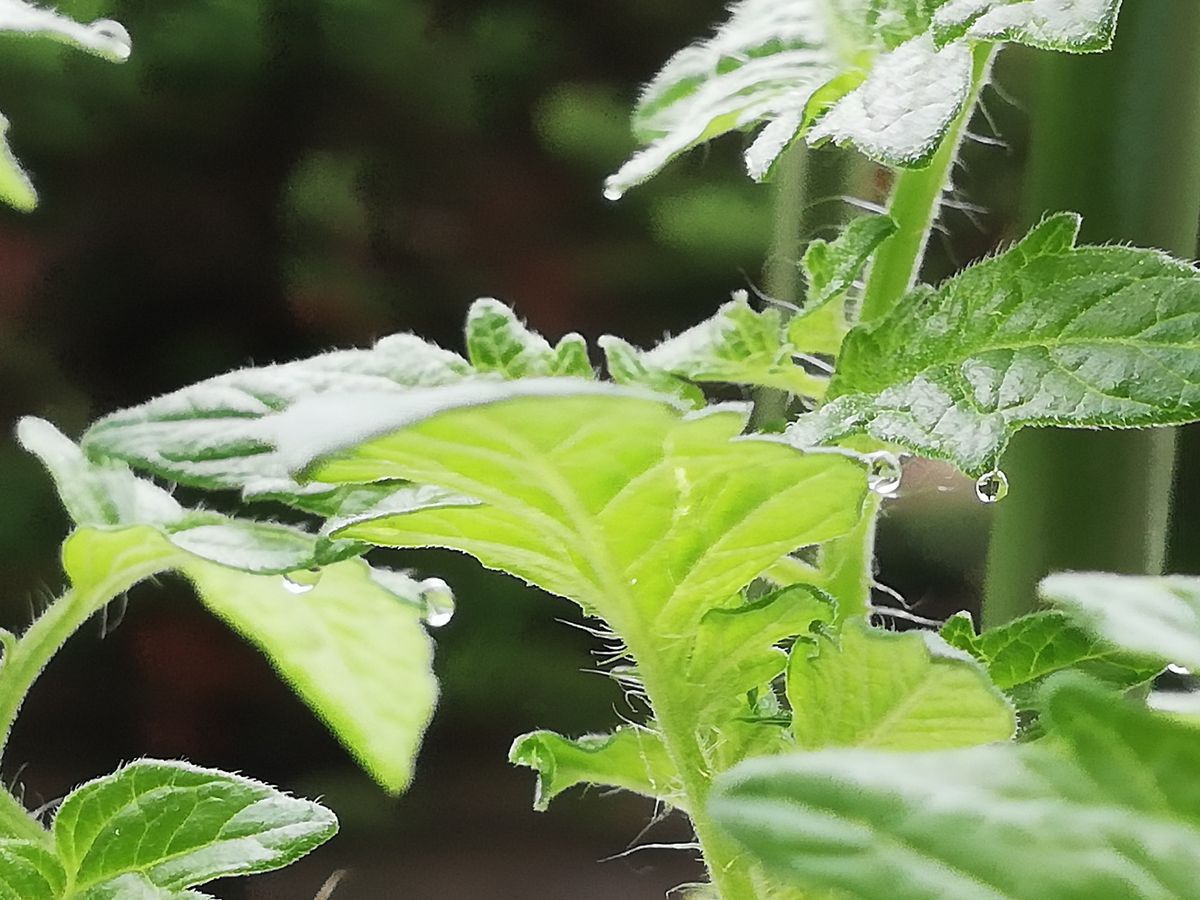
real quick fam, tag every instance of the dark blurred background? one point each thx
(267, 179)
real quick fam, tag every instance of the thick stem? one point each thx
(1083, 500)
(728, 865)
(916, 196)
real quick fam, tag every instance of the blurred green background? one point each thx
(267, 179)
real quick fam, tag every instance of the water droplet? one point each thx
(885, 472)
(1176, 669)
(113, 36)
(992, 487)
(301, 581)
(439, 602)
(613, 193)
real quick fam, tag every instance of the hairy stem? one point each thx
(914, 205)
(728, 866)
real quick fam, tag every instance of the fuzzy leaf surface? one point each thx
(1043, 334)
(1157, 617)
(1076, 26)
(888, 76)
(737, 345)
(1029, 649)
(631, 758)
(497, 341)
(1109, 809)
(889, 691)
(618, 499)
(29, 871)
(178, 825)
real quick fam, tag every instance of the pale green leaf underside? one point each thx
(632, 758)
(1110, 810)
(1044, 334)
(617, 499)
(136, 887)
(351, 644)
(103, 38)
(888, 76)
(1157, 617)
(178, 825)
(217, 434)
(1027, 650)
(889, 691)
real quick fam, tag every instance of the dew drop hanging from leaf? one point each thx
(992, 487)
(439, 602)
(885, 473)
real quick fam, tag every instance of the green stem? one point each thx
(846, 564)
(916, 196)
(728, 865)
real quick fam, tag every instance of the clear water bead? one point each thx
(439, 602)
(114, 36)
(1176, 669)
(301, 581)
(884, 473)
(992, 487)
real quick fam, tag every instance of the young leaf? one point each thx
(888, 76)
(1077, 26)
(216, 434)
(178, 825)
(103, 37)
(1108, 809)
(1044, 334)
(497, 341)
(890, 691)
(830, 270)
(617, 499)
(314, 630)
(29, 871)
(735, 346)
(1027, 650)
(632, 758)
(1157, 617)
(736, 647)
(212, 434)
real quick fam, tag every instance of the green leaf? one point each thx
(1078, 26)
(617, 499)
(735, 346)
(213, 434)
(497, 341)
(736, 648)
(1110, 809)
(29, 871)
(632, 758)
(626, 365)
(888, 76)
(1027, 650)
(178, 825)
(135, 886)
(349, 646)
(347, 637)
(1157, 617)
(106, 495)
(891, 691)
(103, 37)
(1044, 334)
(830, 270)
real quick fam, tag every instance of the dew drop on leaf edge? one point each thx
(885, 473)
(439, 602)
(115, 35)
(992, 487)
(301, 581)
